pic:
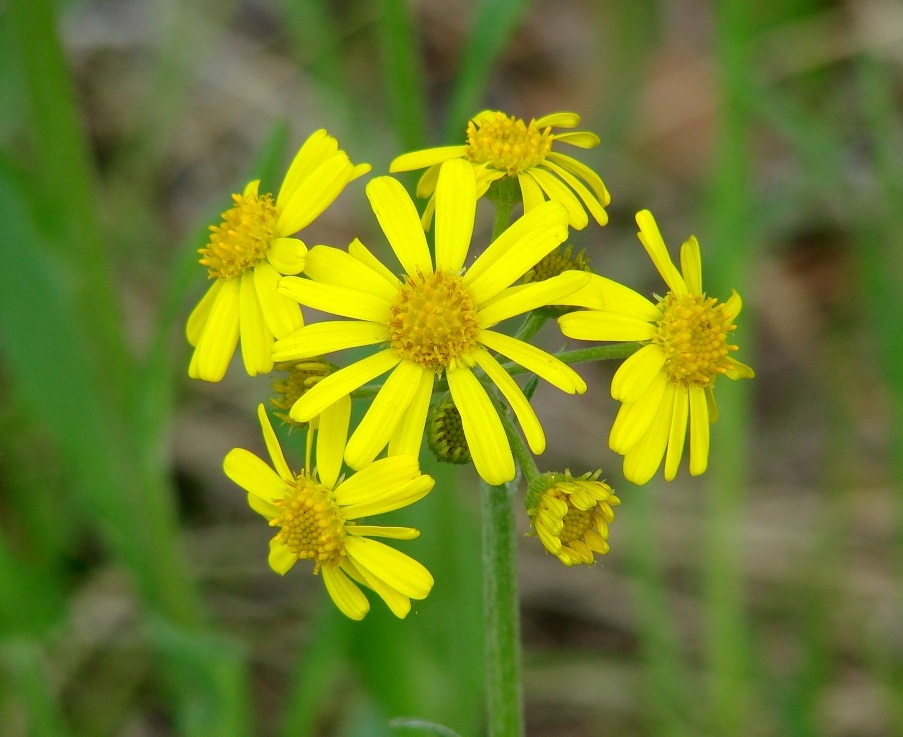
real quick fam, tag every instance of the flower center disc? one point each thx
(242, 239)
(576, 522)
(507, 143)
(693, 334)
(434, 321)
(312, 525)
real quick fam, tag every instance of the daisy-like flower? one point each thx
(433, 321)
(670, 379)
(571, 515)
(499, 146)
(251, 250)
(318, 519)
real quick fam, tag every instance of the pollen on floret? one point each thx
(311, 523)
(507, 143)
(693, 333)
(242, 239)
(434, 321)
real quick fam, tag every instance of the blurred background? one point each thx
(764, 598)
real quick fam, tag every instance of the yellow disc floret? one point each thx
(434, 321)
(693, 334)
(312, 523)
(507, 143)
(242, 239)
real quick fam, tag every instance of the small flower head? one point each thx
(435, 321)
(298, 377)
(557, 262)
(250, 250)
(571, 515)
(317, 516)
(667, 385)
(501, 146)
(445, 433)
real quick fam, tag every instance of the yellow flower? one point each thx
(317, 516)
(251, 250)
(571, 515)
(670, 379)
(434, 321)
(500, 146)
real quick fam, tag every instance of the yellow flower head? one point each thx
(669, 381)
(500, 146)
(251, 250)
(436, 320)
(571, 515)
(317, 515)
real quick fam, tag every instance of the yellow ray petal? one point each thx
(523, 298)
(652, 241)
(384, 414)
(581, 170)
(633, 420)
(219, 338)
(634, 376)
(332, 433)
(345, 594)
(456, 206)
(590, 200)
(283, 315)
(402, 573)
(408, 436)
(557, 191)
(363, 254)
(318, 147)
(281, 559)
(273, 447)
(691, 265)
(398, 603)
(482, 428)
(558, 120)
(644, 459)
(380, 478)
(313, 195)
(699, 431)
(342, 382)
(580, 139)
(543, 364)
(610, 296)
(599, 325)
(256, 338)
(200, 314)
(527, 418)
(408, 493)
(321, 338)
(287, 255)
(426, 157)
(254, 475)
(530, 191)
(733, 305)
(400, 222)
(335, 299)
(678, 433)
(332, 266)
(393, 533)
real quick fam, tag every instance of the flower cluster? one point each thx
(435, 355)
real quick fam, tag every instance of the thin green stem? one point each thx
(501, 613)
(524, 458)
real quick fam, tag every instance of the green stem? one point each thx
(501, 613)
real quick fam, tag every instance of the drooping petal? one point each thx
(517, 250)
(580, 139)
(282, 314)
(740, 371)
(557, 191)
(654, 244)
(633, 377)
(392, 533)
(399, 220)
(530, 190)
(342, 382)
(426, 157)
(321, 338)
(219, 338)
(733, 305)
(633, 420)
(402, 573)
(333, 266)
(398, 603)
(200, 314)
(345, 594)
(273, 447)
(523, 410)
(281, 559)
(254, 475)
(314, 194)
(384, 414)
(264, 509)
(596, 209)
(523, 298)
(332, 432)
(408, 436)
(599, 325)
(611, 296)
(482, 428)
(379, 478)
(678, 434)
(335, 299)
(581, 170)
(534, 359)
(699, 431)
(256, 338)
(691, 265)
(456, 205)
(426, 186)
(645, 458)
(558, 120)
(287, 255)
